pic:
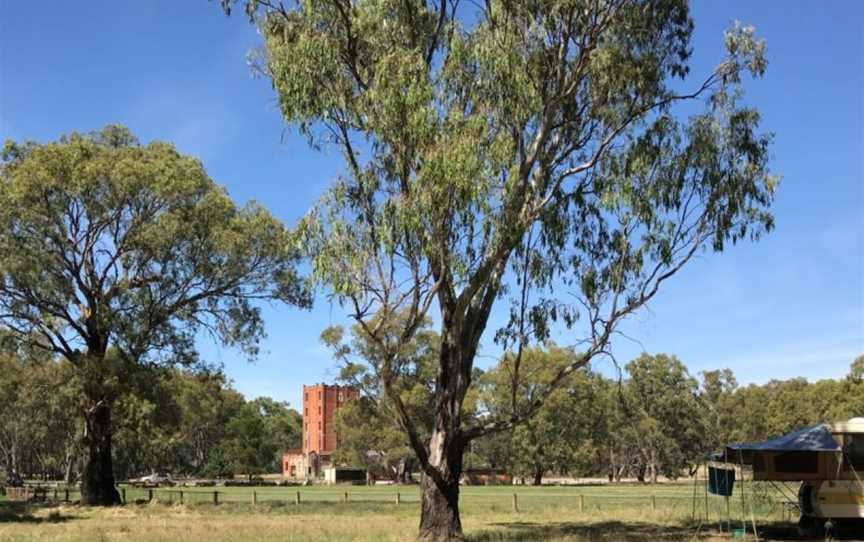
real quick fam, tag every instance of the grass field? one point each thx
(618, 512)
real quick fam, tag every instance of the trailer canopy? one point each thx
(817, 438)
(802, 455)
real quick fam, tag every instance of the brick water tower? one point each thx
(320, 404)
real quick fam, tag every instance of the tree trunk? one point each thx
(538, 474)
(612, 469)
(439, 501)
(69, 460)
(439, 510)
(69, 473)
(13, 476)
(97, 478)
(653, 467)
(441, 459)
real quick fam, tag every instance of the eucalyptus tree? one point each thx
(718, 408)
(531, 153)
(856, 370)
(854, 392)
(665, 422)
(564, 434)
(40, 423)
(251, 443)
(114, 255)
(367, 429)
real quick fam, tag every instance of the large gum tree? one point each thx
(115, 255)
(549, 157)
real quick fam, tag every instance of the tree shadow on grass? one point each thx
(606, 530)
(788, 532)
(636, 532)
(21, 512)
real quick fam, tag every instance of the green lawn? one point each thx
(661, 497)
(618, 512)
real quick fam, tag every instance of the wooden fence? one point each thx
(515, 501)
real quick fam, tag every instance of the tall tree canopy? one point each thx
(563, 435)
(368, 431)
(664, 420)
(257, 434)
(115, 254)
(523, 152)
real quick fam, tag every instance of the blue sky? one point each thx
(791, 305)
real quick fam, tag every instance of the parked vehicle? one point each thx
(155, 479)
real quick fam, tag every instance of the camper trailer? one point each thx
(828, 460)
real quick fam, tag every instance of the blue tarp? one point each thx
(812, 439)
(721, 481)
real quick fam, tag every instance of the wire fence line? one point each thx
(671, 501)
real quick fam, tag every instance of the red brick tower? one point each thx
(320, 403)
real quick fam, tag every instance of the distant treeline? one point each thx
(182, 421)
(660, 420)
(657, 420)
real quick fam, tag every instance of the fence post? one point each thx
(398, 498)
(515, 503)
(653, 502)
(297, 498)
(66, 495)
(123, 495)
(149, 495)
(55, 494)
(181, 496)
(346, 496)
(581, 503)
(254, 497)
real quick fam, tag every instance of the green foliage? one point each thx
(115, 255)
(664, 417)
(205, 403)
(165, 419)
(780, 406)
(172, 420)
(717, 403)
(854, 388)
(249, 447)
(477, 132)
(194, 423)
(369, 440)
(41, 414)
(255, 436)
(856, 370)
(564, 436)
(107, 242)
(538, 137)
(218, 465)
(658, 420)
(368, 429)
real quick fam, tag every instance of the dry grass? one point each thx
(545, 514)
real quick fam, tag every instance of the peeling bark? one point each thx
(439, 503)
(97, 478)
